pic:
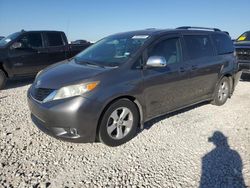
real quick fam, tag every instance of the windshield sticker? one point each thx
(114, 42)
(242, 38)
(7, 40)
(140, 37)
(126, 54)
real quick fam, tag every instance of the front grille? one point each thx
(243, 54)
(41, 93)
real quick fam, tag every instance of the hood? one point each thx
(245, 44)
(67, 73)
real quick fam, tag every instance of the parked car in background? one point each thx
(110, 89)
(80, 42)
(1, 37)
(242, 46)
(25, 53)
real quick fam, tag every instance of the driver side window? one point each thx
(31, 40)
(170, 49)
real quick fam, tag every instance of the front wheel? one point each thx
(119, 123)
(3, 79)
(222, 92)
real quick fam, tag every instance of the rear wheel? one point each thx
(119, 123)
(3, 79)
(222, 92)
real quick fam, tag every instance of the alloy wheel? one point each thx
(120, 123)
(223, 91)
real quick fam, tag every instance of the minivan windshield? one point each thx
(112, 51)
(244, 37)
(8, 39)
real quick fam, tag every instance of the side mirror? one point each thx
(156, 61)
(16, 45)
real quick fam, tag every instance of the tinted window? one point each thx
(8, 39)
(31, 40)
(198, 46)
(54, 39)
(223, 43)
(170, 49)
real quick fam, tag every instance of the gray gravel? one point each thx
(169, 152)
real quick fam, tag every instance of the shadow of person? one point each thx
(222, 167)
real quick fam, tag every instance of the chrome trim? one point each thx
(156, 61)
(34, 98)
(50, 97)
(241, 47)
(47, 99)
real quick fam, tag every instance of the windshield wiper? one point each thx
(94, 64)
(89, 63)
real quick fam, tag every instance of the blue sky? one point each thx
(94, 19)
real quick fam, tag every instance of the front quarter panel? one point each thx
(118, 83)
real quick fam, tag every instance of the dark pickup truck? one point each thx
(25, 53)
(242, 46)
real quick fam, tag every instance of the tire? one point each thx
(222, 92)
(119, 123)
(3, 79)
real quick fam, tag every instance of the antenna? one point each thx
(67, 27)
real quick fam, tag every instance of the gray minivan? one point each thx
(110, 89)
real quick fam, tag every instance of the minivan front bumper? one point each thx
(73, 119)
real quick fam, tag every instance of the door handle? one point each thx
(40, 52)
(182, 69)
(194, 67)
(18, 64)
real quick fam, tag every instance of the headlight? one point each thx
(71, 91)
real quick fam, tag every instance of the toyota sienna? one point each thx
(110, 89)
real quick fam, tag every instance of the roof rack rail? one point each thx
(151, 28)
(198, 28)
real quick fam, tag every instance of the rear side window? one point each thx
(169, 48)
(31, 40)
(223, 43)
(54, 39)
(198, 46)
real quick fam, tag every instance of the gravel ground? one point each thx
(172, 151)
